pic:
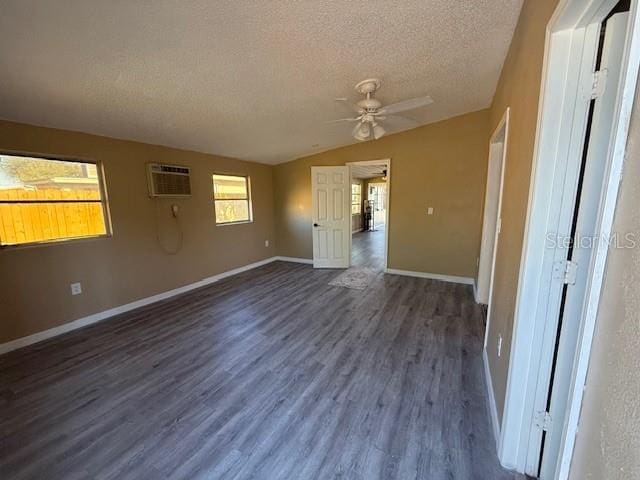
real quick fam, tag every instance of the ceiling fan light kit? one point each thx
(370, 111)
(378, 131)
(362, 131)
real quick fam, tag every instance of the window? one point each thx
(378, 193)
(356, 198)
(46, 200)
(231, 199)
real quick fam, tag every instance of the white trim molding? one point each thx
(99, 316)
(619, 138)
(493, 409)
(432, 276)
(307, 261)
(491, 251)
(566, 85)
(387, 163)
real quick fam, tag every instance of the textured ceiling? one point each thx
(247, 79)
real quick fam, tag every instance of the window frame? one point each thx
(359, 185)
(103, 200)
(249, 201)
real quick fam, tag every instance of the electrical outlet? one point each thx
(499, 345)
(266, 243)
(76, 288)
(430, 211)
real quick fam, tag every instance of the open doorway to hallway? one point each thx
(369, 213)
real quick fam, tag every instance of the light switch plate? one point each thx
(430, 211)
(76, 288)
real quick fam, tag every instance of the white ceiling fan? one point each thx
(371, 113)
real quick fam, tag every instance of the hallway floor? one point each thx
(367, 249)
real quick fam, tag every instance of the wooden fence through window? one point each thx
(41, 219)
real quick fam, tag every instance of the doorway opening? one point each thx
(369, 213)
(578, 255)
(492, 210)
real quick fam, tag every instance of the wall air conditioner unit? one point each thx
(168, 180)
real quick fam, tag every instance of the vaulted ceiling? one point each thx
(248, 79)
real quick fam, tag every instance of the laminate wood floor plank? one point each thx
(270, 374)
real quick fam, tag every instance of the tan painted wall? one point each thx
(443, 165)
(518, 88)
(34, 282)
(608, 443)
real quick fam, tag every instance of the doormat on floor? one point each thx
(354, 277)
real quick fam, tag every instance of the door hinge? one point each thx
(570, 272)
(599, 83)
(543, 421)
(566, 270)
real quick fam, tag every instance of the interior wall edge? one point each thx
(491, 405)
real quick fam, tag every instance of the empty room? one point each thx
(320, 239)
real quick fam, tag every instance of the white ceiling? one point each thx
(367, 171)
(247, 79)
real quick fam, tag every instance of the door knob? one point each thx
(316, 225)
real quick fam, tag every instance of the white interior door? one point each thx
(331, 216)
(492, 204)
(583, 236)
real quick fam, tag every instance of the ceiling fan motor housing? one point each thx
(370, 104)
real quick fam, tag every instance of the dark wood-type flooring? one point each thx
(270, 374)
(367, 249)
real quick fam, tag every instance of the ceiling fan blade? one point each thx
(349, 119)
(350, 106)
(405, 105)
(397, 121)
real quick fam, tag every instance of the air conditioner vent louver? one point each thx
(168, 180)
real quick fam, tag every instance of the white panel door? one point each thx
(331, 216)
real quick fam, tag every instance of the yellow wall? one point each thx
(518, 88)
(34, 281)
(442, 165)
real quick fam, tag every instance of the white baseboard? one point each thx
(493, 409)
(432, 276)
(475, 291)
(97, 317)
(295, 260)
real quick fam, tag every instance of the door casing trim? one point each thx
(386, 162)
(558, 126)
